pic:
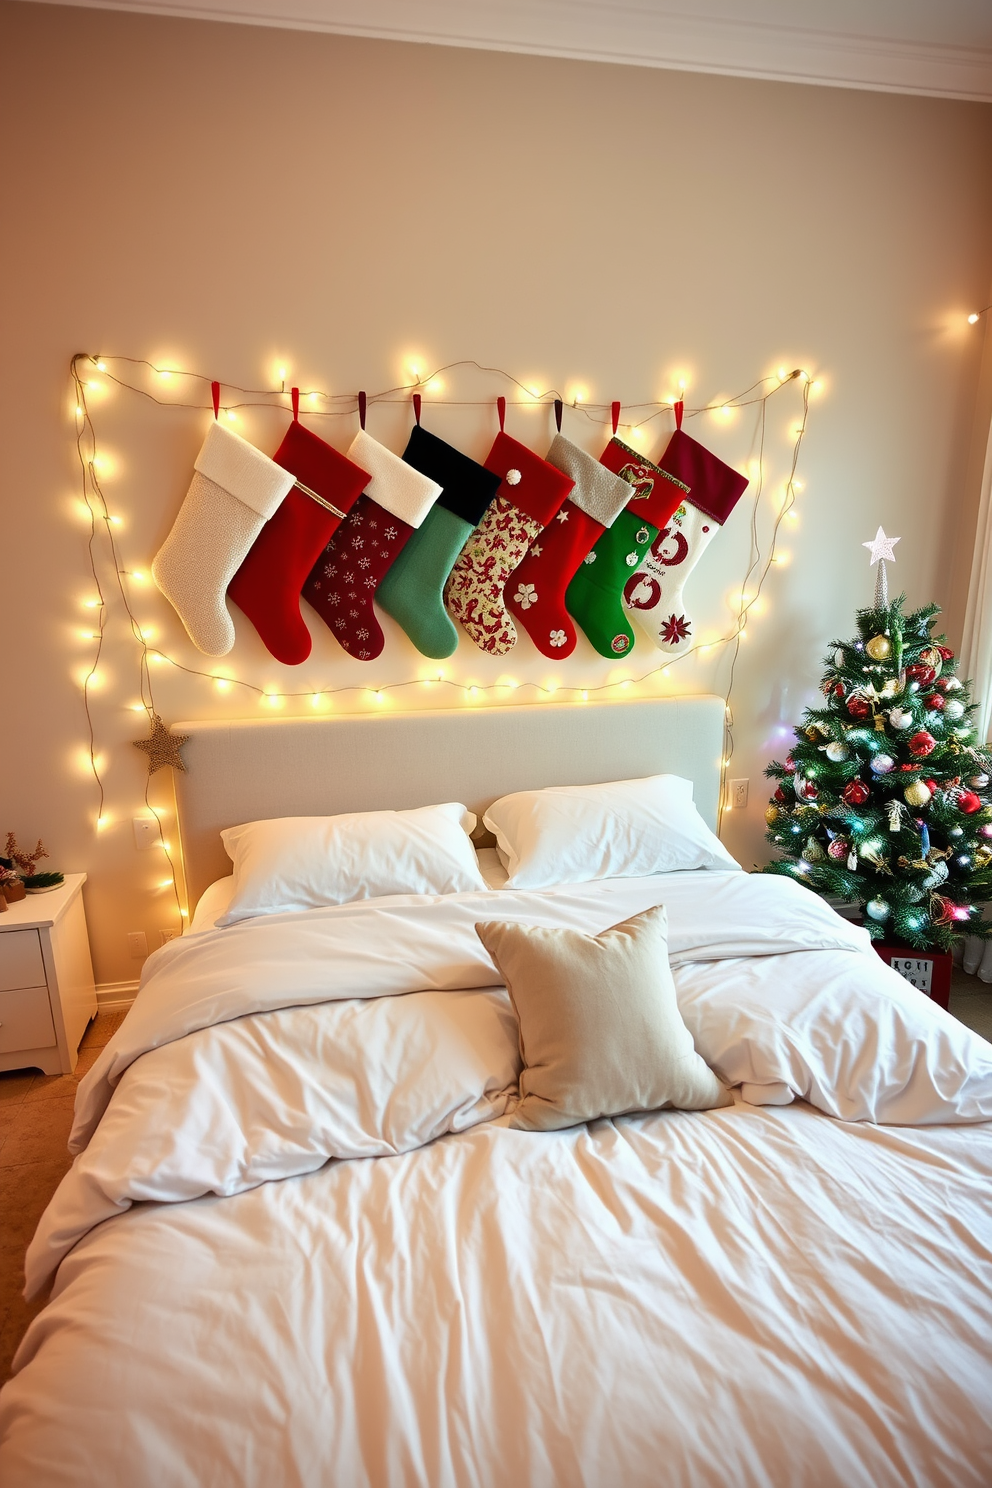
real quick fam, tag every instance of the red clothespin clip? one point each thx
(294, 393)
(417, 404)
(363, 404)
(615, 412)
(558, 406)
(215, 395)
(678, 407)
(501, 410)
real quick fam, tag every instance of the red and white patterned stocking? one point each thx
(530, 493)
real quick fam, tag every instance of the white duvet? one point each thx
(750, 1296)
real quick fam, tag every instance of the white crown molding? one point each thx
(642, 35)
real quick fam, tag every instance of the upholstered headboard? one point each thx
(251, 770)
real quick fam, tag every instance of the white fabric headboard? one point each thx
(252, 770)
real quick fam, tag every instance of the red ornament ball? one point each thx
(934, 701)
(839, 848)
(922, 674)
(946, 654)
(790, 763)
(838, 689)
(931, 785)
(968, 802)
(922, 744)
(858, 707)
(856, 793)
(779, 795)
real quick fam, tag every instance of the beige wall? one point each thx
(229, 197)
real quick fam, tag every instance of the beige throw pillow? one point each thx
(600, 1028)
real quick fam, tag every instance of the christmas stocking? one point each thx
(234, 491)
(535, 594)
(267, 585)
(530, 493)
(413, 589)
(654, 593)
(344, 579)
(595, 595)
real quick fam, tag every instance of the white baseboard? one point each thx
(114, 997)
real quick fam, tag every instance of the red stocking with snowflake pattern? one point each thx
(343, 581)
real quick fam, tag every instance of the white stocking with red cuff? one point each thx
(654, 594)
(234, 491)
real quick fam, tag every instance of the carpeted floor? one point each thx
(36, 1114)
(35, 1118)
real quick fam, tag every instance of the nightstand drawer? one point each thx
(21, 963)
(25, 1020)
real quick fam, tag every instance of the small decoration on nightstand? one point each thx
(162, 747)
(18, 871)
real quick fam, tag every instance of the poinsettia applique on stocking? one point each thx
(267, 586)
(234, 491)
(343, 581)
(595, 595)
(654, 594)
(530, 493)
(413, 589)
(535, 593)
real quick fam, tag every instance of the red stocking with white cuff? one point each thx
(343, 581)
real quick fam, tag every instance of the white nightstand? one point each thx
(47, 995)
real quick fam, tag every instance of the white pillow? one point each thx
(624, 829)
(302, 862)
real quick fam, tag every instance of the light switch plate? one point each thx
(146, 831)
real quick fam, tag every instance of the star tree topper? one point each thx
(162, 747)
(881, 552)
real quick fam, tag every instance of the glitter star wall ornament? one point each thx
(162, 747)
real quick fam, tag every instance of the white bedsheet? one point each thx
(758, 1298)
(412, 942)
(747, 1296)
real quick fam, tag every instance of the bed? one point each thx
(302, 1242)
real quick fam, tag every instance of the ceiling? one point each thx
(937, 47)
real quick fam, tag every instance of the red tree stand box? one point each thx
(928, 971)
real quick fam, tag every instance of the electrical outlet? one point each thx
(146, 831)
(137, 944)
(738, 794)
(164, 936)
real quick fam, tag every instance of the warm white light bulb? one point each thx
(973, 318)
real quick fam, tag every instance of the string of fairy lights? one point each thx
(641, 420)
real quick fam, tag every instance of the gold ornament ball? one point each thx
(916, 793)
(931, 657)
(812, 734)
(879, 648)
(771, 815)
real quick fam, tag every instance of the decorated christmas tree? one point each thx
(884, 798)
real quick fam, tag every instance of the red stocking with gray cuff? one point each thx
(654, 594)
(343, 581)
(535, 594)
(530, 493)
(267, 585)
